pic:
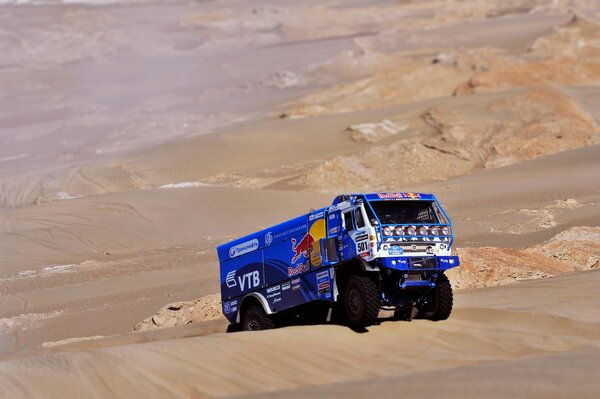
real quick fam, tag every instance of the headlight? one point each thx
(434, 231)
(422, 230)
(387, 231)
(399, 231)
(411, 231)
(446, 230)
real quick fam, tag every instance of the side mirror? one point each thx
(329, 250)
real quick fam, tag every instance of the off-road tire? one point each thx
(360, 301)
(442, 299)
(255, 318)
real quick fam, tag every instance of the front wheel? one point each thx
(255, 318)
(360, 301)
(438, 305)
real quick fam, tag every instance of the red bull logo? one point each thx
(399, 195)
(300, 268)
(302, 247)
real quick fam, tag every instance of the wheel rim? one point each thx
(253, 325)
(354, 302)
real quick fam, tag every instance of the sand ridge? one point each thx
(525, 326)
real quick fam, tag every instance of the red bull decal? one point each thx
(399, 195)
(300, 268)
(303, 247)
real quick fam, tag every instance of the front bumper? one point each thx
(418, 263)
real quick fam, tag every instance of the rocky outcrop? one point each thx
(182, 313)
(575, 249)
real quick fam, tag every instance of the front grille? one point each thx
(415, 247)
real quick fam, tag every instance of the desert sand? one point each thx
(136, 136)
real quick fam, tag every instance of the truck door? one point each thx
(360, 233)
(348, 250)
(331, 245)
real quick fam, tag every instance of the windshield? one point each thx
(404, 212)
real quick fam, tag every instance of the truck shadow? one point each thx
(232, 328)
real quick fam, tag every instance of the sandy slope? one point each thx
(161, 246)
(499, 328)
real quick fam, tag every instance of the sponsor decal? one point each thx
(249, 280)
(399, 195)
(273, 295)
(296, 229)
(230, 279)
(323, 284)
(295, 287)
(322, 275)
(302, 247)
(300, 268)
(296, 281)
(243, 248)
(276, 300)
(323, 287)
(226, 307)
(273, 289)
(268, 238)
(285, 286)
(316, 216)
(361, 237)
(252, 280)
(396, 250)
(333, 230)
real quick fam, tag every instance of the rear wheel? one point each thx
(255, 318)
(439, 301)
(360, 301)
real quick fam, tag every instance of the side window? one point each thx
(358, 219)
(348, 220)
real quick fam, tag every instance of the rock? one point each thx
(183, 313)
(158, 320)
(374, 132)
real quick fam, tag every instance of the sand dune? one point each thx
(496, 328)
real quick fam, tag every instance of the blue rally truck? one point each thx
(364, 253)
